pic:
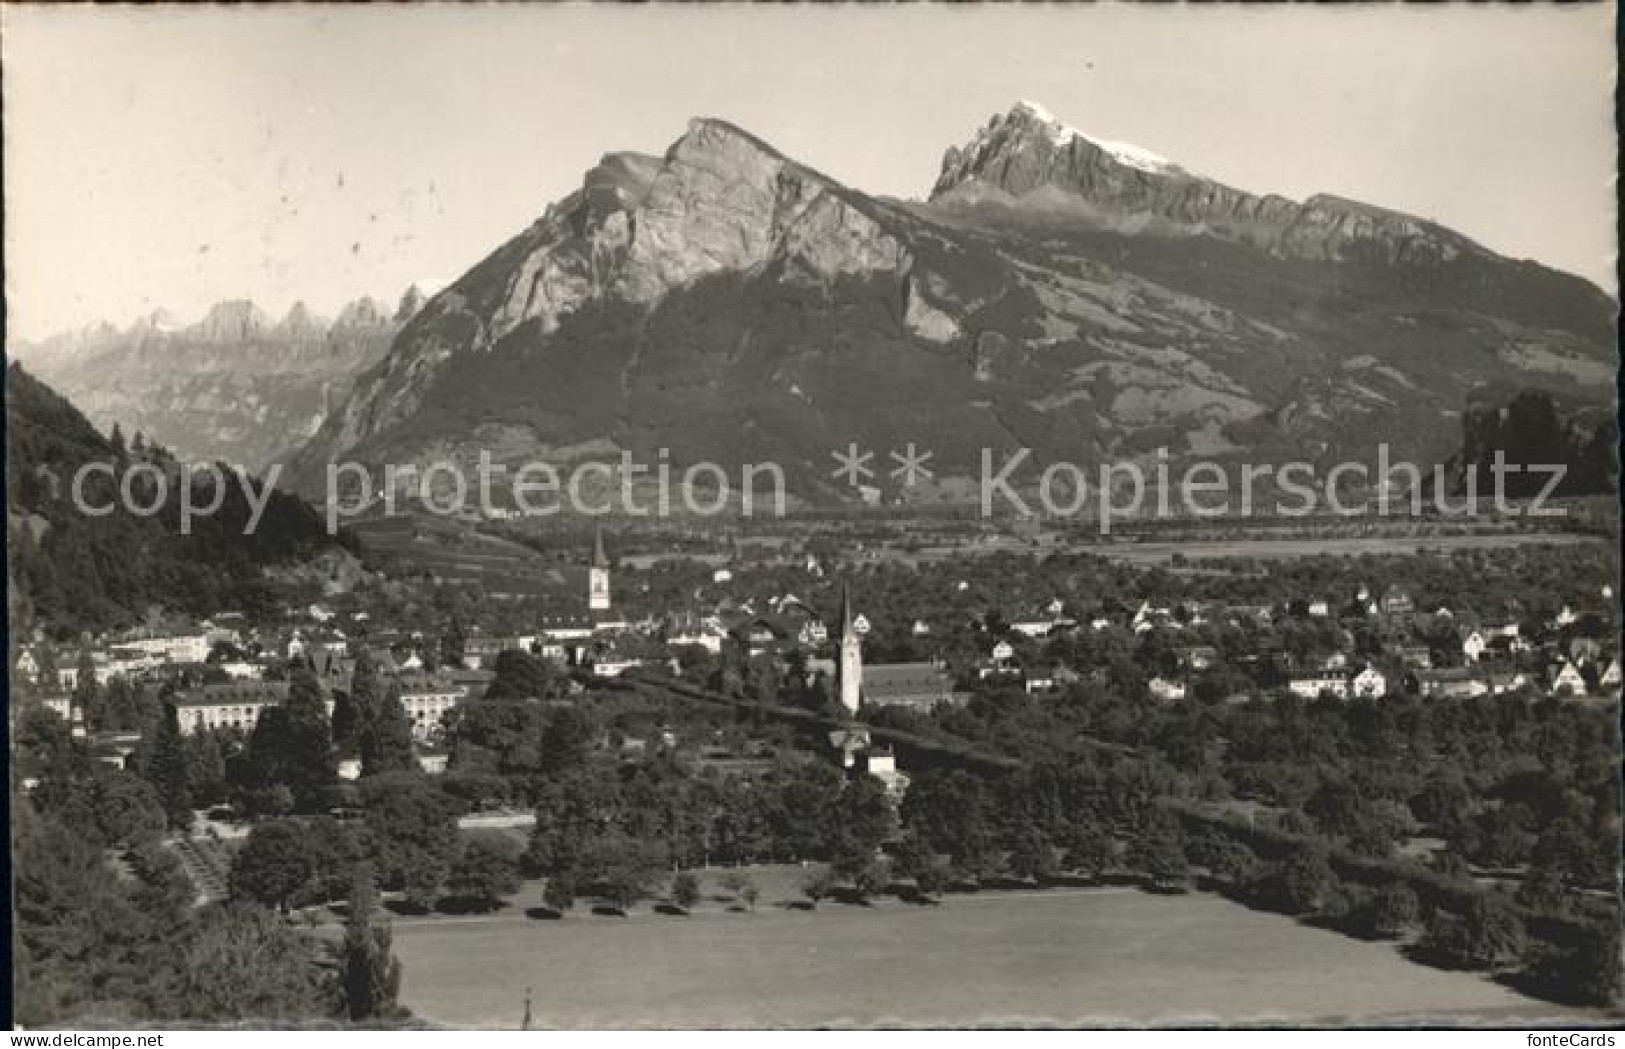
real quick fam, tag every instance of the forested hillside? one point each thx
(70, 571)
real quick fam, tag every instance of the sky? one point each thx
(175, 157)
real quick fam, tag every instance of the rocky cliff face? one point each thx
(1029, 161)
(1085, 299)
(235, 386)
(718, 202)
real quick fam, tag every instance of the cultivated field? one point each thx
(1064, 956)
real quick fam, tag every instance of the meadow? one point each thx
(1109, 956)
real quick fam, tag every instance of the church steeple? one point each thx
(598, 574)
(850, 666)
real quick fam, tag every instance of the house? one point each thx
(1319, 608)
(1370, 683)
(881, 763)
(1197, 657)
(1311, 684)
(1473, 645)
(1449, 683)
(1035, 680)
(1033, 627)
(235, 704)
(428, 698)
(1565, 679)
(1166, 688)
(1584, 649)
(1418, 656)
(191, 647)
(1610, 678)
(27, 667)
(1001, 662)
(1396, 602)
(1505, 646)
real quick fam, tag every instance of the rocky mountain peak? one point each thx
(412, 301)
(235, 320)
(365, 312)
(301, 324)
(1028, 147)
(1026, 165)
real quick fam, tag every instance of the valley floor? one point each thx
(1106, 956)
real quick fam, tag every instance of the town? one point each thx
(468, 737)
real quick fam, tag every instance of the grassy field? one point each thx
(1065, 956)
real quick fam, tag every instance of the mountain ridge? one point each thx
(234, 385)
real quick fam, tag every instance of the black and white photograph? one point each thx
(750, 517)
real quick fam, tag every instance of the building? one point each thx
(428, 698)
(1567, 679)
(1370, 682)
(1396, 602)
(177, 648)
(1311, 684)
(598, 575)
(1166, 688)
(235, 704)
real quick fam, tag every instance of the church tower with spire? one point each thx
(851, 664)
(598, 574)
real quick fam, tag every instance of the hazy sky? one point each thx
(175, 157)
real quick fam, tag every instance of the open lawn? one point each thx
(1057, 957)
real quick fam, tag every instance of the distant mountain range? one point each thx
(235, 386)
(1086, 299)
(1089, 300)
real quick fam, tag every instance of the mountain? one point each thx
(236, 386)
(71, 571)
(1029, 162)
(1086, 299)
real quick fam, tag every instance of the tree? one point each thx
(1544, 890)
(167, 770)
(1159, 854)
(107, 807)
(411, 835)
(453, 644)
(372, 976)
(1581, 965)
(743, 886)
(384, 737)
(622, 868)
(685, 890)
(1489, 935)
(292, 863)
(1032, 856)
(205, 766)
(87, 694)
(484, 873)
(1089, 848)
(1224, 857)
(292, 745)
(559, 893)
(520, 675)
(241, 963)
(1391, 911)
(818, 884)
(566, 740)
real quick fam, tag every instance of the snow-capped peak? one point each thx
(1125, 153)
